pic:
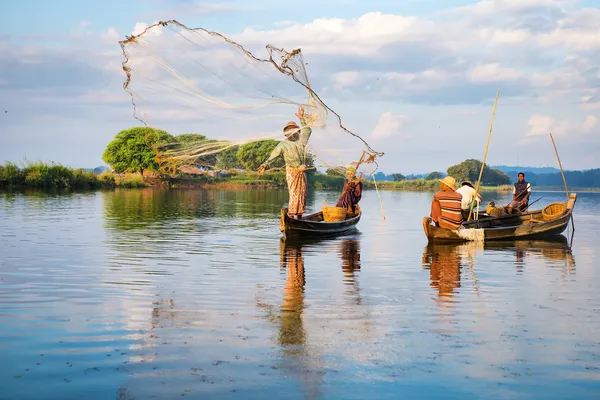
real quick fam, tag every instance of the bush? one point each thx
(130, 180)
(83, 179)
(11, 175)
(107, 179)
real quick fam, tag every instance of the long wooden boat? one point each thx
(513, 226)
(311, 225)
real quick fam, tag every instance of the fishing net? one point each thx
(184, 80)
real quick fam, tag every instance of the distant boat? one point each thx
(311, 225)
(525, 225)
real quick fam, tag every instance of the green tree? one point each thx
(469, 170)
(227, 159)
(131, 149)
(252, 155)
(189, 140)
(434, 175)
(398, 177)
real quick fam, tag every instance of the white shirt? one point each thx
(467, 193)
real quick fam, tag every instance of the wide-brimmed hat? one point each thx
(290, 128)
(468, 183)
(449, 181)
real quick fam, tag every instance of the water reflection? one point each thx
(302, 358)
(445, 261)
(131, 209)
(556, 252)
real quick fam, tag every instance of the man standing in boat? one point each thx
(293, 149)
(521, 193)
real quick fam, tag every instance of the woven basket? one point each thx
(334, 214)
(553, 211)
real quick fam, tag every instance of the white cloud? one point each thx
(510, 36)
(493, 73)
(110, 36)
(389, 125)
(590, 123)
(139, 28)
(84, 24)
(541, 125)
(344, 79)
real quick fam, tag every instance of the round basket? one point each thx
(334, 214)
(554, 210)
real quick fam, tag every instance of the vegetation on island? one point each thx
(132, 158)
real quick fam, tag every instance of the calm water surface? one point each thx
(141, 294)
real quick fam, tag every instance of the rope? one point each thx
(380, 202)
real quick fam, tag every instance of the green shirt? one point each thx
(294, 153)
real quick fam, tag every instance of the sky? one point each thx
(416, 79)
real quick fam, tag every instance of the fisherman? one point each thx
(521, 193)
(446, 205)
(468, 198)
(293, 149)
(352, 191)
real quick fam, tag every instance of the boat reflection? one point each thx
(556, 252)
(445, 261)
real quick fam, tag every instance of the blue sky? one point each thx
(440, 63)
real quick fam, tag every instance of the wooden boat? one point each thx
(524, 225)
(311, 225)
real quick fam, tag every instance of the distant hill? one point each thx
(536, 170)
(98, 170)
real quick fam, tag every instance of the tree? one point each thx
(398, 177)
(132, 149)
(434, 175)
(188, 140)
(252, 155)
(227, 159)
(469, 170)
(191, 138)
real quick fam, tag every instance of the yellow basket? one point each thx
(334, 214)
(553, 211)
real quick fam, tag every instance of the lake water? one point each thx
(142, 294)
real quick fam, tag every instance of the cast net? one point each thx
(234, 103)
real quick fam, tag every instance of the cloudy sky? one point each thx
(417, 79)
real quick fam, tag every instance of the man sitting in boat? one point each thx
(352, 191)
(521, 193)
(446, 205)
(293, 149)
(467, 191)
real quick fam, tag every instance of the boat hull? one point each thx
(527, 225)
(312, 225)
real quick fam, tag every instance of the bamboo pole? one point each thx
(487, 145)
(560, 165)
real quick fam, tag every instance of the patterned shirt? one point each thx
(450, 207)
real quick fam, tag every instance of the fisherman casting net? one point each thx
(186, 80)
